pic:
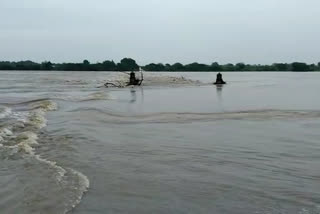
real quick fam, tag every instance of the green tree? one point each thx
(177, 67)
(281, 66)
(240, 66)
(299, 66)
(85, 66)
(109, 65)
(128, 64)
(228, 67)
(196, 67)
(155, 67)
(27, 65)
(216, 67)
(5, 65)
(167, 67)
(46, 66)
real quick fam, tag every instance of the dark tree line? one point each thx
(128, 64)
(296, 66)
(125, 64)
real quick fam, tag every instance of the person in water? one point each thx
(133, 80)
(219, 79)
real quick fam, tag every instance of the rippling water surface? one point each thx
(176, 145)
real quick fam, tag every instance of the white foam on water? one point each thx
(73, 182)
(26, 141)
(162, 80)
(69, 179)
(151, 79)
(4, 112)
(60, 171)
(117, 80)
(37, 119)
(78, 185)
(36, 116)
(84, 185)
(27, 136)
(20, 116)
(45, 105)
(4, 132)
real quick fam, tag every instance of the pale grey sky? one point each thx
(251, 31)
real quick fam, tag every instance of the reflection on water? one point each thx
(219, 91)
(133, 95)
(135, 100)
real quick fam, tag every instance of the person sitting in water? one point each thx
(219, 79)
(133, 80)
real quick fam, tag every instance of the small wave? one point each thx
(25, 103)
(101, 95)
(109, 117)
(28, 122)
(26, 141)
(71, 185)
(76, 82)
(34, 119)
(60, 171)
(71, 179)
(44, 105)
(97, 96)
(83, 186)
(20, 143)
(37, 119)
(74, 183)
(35, 115)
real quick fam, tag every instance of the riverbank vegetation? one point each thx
(128, 64)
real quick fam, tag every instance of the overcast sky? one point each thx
(251, 31)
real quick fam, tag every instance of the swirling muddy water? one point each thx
(178, 144)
